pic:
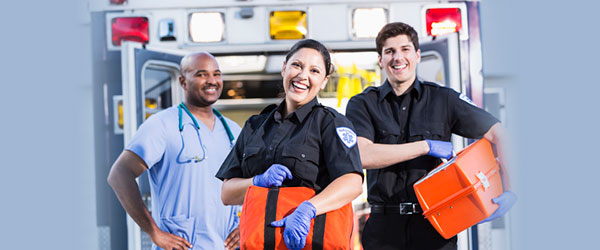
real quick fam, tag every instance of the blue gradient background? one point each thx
(547, 50)
(47, 172)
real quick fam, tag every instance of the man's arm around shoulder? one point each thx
(122, 180)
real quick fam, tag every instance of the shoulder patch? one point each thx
(347, 136)
(466, 99)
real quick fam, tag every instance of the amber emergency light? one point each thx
(150, 104)
(458, 194)
(287, 25)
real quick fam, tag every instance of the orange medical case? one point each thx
(262, 206)
(458, 194)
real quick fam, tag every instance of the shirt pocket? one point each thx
(252, 163)
(386, 136)
(302, 160)
(181, 226)
(428, 130)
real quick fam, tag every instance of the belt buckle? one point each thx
(412, 208)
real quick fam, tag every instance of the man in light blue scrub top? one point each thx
(182, 147)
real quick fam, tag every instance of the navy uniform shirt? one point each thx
(316, 143)
(425, 111)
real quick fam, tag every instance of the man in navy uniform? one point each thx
(404, 128)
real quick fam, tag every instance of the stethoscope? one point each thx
(196, 158)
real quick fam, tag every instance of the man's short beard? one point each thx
(199, 102)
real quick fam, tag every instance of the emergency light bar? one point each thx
(287, 25)
(441, 21)
(206, 27)
(130, 29)
(366, 23)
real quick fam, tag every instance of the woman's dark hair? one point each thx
(395, 29)
(313, 44)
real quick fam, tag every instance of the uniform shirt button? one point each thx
(270, 148)
(403, 108)
(244, 155)
(303, 156)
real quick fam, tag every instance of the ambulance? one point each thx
(137, 46)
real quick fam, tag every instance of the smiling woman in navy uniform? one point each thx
(297, 143)
(404, 128)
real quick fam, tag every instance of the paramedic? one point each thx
(182, 147)
(404, 128)
(297, 143)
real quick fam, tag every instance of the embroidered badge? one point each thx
(466, 99)
(347, 136)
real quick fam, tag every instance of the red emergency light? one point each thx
(119, 2)
(443, 21)
(130, 29)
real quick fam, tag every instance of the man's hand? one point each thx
(169, 241)
(505, 201)
(274, 176)
(440, 149)
(297, 225)
(233, 240)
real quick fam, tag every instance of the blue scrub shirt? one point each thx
(186, 197)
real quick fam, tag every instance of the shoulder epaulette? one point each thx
(328, 110)
(268, 109)
(255, 120)
(432, 84)
(369, 89)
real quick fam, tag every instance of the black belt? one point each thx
(404, 208)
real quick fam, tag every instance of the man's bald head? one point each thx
(200, 79)
(189, 61)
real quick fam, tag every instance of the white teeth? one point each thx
(399, 66)
(299, 86)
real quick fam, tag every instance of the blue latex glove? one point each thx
(274, 176)
(297, 225)
(505, 201)
(440, 149)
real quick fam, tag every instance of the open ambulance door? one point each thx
(150, 84)
(440, 61)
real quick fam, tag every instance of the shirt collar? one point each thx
(300, 113)
(386, 89)
(417, 88)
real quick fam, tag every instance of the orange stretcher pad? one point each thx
(458, 194)
(262, 206)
